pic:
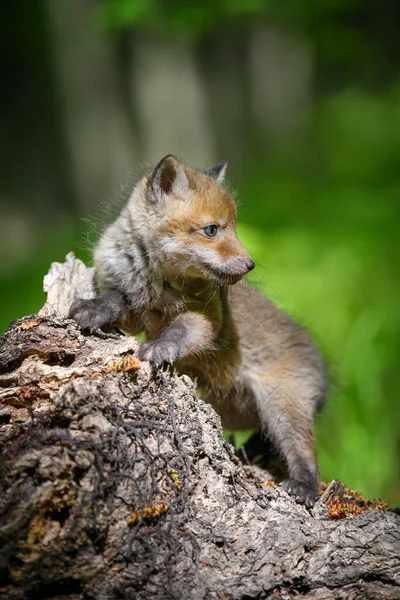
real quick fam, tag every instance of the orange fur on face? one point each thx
(207, 204)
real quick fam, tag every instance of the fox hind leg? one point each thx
(287, 420)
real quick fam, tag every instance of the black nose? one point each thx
(250, 265)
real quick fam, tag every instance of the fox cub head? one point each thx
(190, 223)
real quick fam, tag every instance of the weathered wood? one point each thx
(117, 483)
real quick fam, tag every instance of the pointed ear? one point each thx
(217, 173)
(168, 178)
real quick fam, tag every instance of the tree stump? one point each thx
(116, 483)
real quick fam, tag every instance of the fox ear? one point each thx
(217, 173)
(168, 178)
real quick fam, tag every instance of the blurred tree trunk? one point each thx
(117, 483)
(100, 140)
(281, 71)
(223, 59)
(171, 101)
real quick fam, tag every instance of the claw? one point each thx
(304, 493)
(158, 352)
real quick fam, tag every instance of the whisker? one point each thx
(210, 284)
(216, 289)
(259, 266)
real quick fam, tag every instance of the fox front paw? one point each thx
(158, 352)
(86, 313)
(304, 493)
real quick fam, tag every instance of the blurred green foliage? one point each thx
(322, 227)
(177, 16)
(200, 16)
(327, 235)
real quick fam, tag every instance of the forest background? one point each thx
(302, 98)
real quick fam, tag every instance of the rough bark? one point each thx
(117, 483)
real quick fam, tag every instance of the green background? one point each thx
(319, 201)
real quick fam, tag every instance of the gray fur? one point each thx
(255, 365)
(217, 172)
(102, 311)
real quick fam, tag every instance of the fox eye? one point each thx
(211, 230)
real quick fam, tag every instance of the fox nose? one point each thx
(250, 264)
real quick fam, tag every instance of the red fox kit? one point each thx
(171, 265)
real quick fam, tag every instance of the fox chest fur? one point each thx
(214, 368)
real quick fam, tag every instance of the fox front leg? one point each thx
(188, 333)
(102, 311)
